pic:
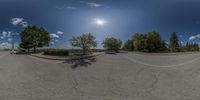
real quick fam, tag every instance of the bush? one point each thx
(7, 49)
(56, 52)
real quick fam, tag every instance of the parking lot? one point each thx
(124, 76)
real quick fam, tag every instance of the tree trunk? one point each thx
(34, 49)
(84, 51)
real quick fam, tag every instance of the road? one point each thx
(124, 76)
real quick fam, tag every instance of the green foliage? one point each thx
(190, 47)
(56, 52)
(85, 41)
(155, 43)
(140, 42)
(151, 42)
(26, 45)
(33, 37)
(112, 44)
(174, 43)
(163, 47)
(128, 45)
(6, 49)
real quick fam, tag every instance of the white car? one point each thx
(13, 52)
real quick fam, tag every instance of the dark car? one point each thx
(111, 52)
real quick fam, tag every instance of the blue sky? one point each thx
(121, 18)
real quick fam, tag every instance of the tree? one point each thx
(128, 45)
(155, 42)
(163, 46)
(192, 46)
(139, 42)
(84, 41)
(26, 45)
(112, 44)
(33, 37)
(151, 42)
(174, 43)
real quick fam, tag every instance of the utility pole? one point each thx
(13, 46)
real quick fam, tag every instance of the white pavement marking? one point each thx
(146, 64)
(163, 55)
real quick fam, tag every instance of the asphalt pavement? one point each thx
(124, 76)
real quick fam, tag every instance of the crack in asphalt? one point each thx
(75, 85)
(135, 81)
(73, 81)
(156, 79)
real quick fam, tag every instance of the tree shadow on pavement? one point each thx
(82, 62)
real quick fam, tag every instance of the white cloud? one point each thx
(19, 21)
(181, 42)
(60, 32)
(194, 37)
(9, 39)
(70, 7)
(16, 21)
(93, 4)
(24, 24)
(2, 37)
(6, 34)
(65, 7)
(5, 45)
(53, 35)
(52, 42)
(56, 40)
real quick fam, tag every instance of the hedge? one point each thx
(56, 52)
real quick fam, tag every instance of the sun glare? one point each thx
(100, 22)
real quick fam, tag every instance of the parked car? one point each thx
(111, 52)
(14, 52)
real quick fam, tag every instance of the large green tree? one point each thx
(128, 45)
(139, 42)
(155, 42)
(112, 44)
(33, 37)
(174, 43)
(85, 41)
(151, 42)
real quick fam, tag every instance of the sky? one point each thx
(103, 18)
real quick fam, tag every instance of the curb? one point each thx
(64, 59)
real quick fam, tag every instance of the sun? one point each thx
(100, 22)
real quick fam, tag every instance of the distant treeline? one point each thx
(152, 42)
(70, 50)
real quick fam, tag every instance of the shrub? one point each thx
(56, 52)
